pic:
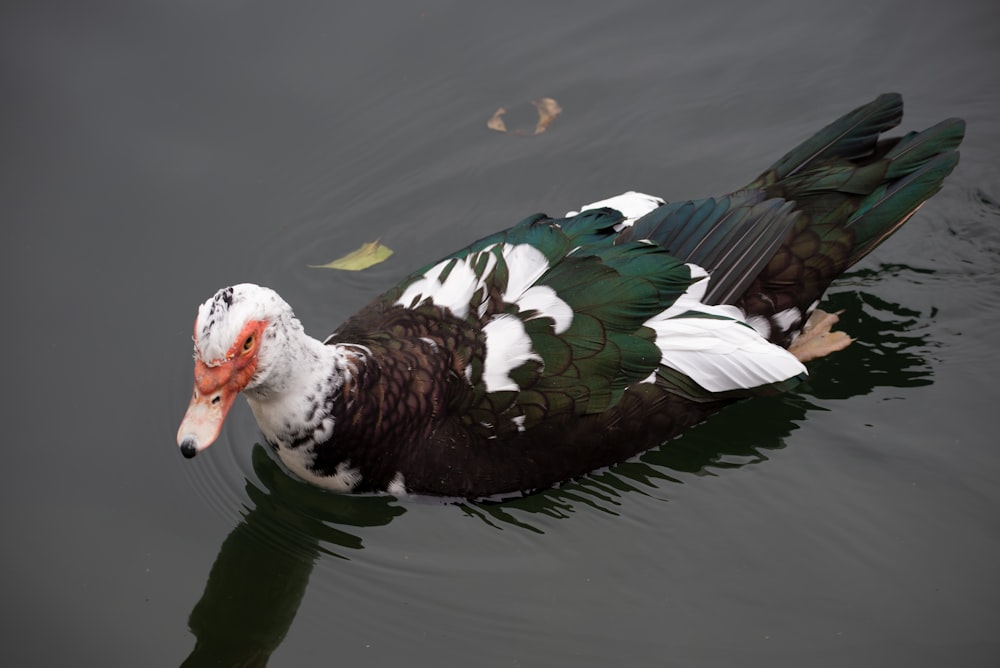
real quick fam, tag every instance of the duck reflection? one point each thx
(261, 572)
(258, 578)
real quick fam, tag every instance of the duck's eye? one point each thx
(248, 344)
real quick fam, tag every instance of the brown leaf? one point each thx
(547, 109)
(496, 121)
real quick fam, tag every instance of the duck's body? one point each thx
(564, 345)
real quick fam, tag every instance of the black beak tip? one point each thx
(188, 448)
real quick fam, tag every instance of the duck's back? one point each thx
(566, 344)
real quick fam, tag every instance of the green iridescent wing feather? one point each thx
(731, 237)
(775, 244)
(852, 190)
(612, 291)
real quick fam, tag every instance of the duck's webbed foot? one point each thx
(816, 339)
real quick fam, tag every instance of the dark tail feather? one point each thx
(851, 191)
(852, 135)
(885, 210)
(914, 150)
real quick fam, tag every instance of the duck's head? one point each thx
(238, 338)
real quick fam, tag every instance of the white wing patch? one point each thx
(525, 266)
(454, 292)
(761, 324)
(633, 205)
(544, 300)
(508, 346)
(720, 352)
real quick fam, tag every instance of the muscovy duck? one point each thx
(563, 345)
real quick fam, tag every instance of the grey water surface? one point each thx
(153, 152)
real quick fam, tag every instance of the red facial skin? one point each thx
(216, 384)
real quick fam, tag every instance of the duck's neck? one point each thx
(294, 406)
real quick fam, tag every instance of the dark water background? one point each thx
(154, 151)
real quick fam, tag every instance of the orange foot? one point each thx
(816, 339)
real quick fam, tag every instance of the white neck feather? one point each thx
(297, 379)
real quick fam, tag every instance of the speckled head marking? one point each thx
(212, 311)
(222, 318)
(241, 337)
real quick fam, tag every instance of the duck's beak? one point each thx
(215, 390)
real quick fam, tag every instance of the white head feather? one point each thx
(222, 318)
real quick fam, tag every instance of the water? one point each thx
(154, 152)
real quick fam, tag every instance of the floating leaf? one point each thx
(496, 121)
(369, 254)
(547, 109)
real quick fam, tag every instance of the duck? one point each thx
(564, 345)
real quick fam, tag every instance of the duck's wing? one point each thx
(732, 237)
(559, 317)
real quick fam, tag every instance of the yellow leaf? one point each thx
(369, 254)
